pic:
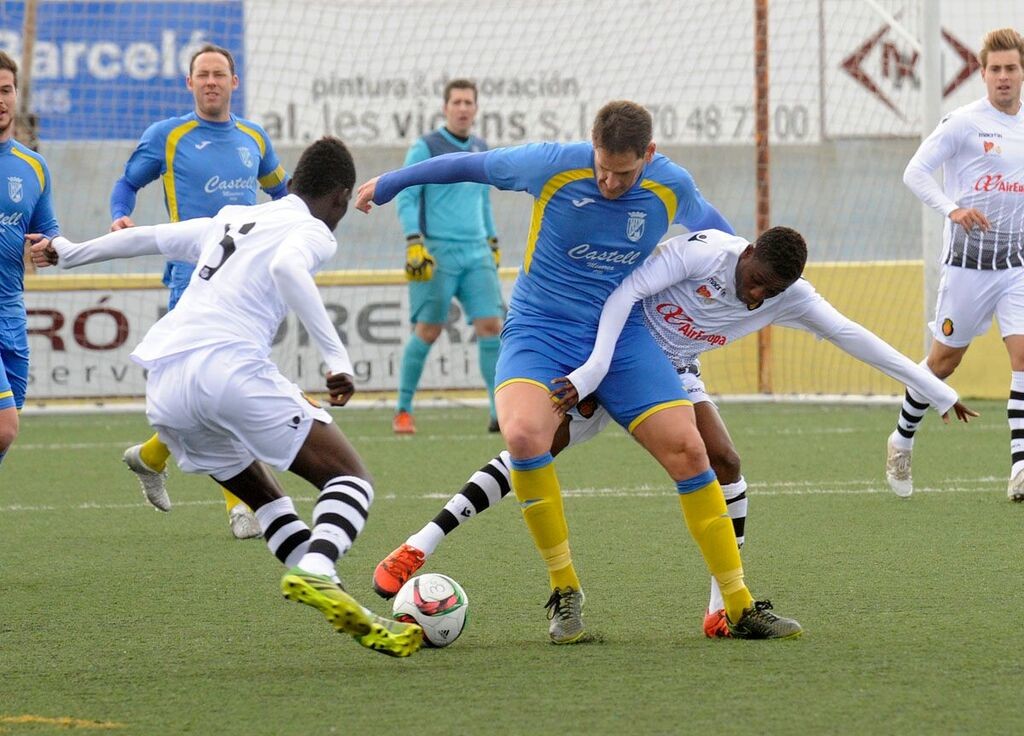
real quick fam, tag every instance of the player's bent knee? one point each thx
(726, 464)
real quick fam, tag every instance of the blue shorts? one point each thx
(463, 271)
(640, 382)
(176, 277)
(13, 362)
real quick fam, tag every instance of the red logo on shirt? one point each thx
(704, 291)
(674, 315)
(991, 147)
(995, 183)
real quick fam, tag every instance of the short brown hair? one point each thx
(622, 126)
(1001, 39)
(459, 84)
(210, 48)
(8, 63)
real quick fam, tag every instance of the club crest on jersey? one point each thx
(246, 155)
(704, 292)
(14, 188)
(991, 147)
(635, 226)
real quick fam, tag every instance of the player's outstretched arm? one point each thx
(447, 169)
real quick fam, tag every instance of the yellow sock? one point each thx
(155, 453)
(711, 528)
(230, 499)
(540, 498)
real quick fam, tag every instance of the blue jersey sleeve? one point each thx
(147, 160)
(447, 169)
(122, 198)
(410, 199)
(524, 168)
(695, 212)
(271, 174)
(43, 218)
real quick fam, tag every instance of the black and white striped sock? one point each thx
(485, 488)
(911, 414)
(287, 535)
(1015, 413)
(338, 518)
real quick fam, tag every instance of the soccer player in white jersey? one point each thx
(702, 291)
(222, 406)
(980, 148)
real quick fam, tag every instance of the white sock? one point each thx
(736, 504)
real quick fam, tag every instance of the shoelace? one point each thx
(558, 605)
(404, 565)
(762, 608)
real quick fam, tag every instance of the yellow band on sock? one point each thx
(557, 557)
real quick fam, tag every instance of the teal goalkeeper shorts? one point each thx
(463, 271)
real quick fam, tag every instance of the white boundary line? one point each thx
(759, 490)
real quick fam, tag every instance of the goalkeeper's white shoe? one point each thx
(154, 484)
(897, 470)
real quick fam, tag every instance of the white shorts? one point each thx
(968, 299)
(588, 418)
(219, 410)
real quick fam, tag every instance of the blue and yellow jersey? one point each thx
(580, 245)
(204, 165)
(450, 212)
(26, 206)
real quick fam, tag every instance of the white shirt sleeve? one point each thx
(298, 258)
(935, 150)
(180, 241)
(675, 262)
(827, 322)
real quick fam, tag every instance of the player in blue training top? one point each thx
(205, 160)
(25, 207)
(601, 207)
(451, 252)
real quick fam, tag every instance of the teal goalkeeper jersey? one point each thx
(204, 165)
(26, 206)
(450, 212)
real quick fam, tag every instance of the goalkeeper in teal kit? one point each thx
(600, 209)
(451, 253)
(205, 160)
(25, 207)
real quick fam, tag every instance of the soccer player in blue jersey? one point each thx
(205, 160)
(25, 206)
(601, 208)
(451, 252)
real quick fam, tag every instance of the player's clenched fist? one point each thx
(419, 264)
(340, 388)
(41, 250)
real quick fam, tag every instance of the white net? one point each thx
(844, 90)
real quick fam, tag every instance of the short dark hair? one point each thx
(211, 48)
(622, 126)
(460, 83)
(7, 62)
(784, 250)
(324, 167)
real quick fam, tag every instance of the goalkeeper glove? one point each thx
(419, 264)
(495, 251)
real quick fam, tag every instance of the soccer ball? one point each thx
(435, 602)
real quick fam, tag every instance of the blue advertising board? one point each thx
(106, 70)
